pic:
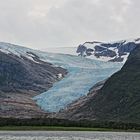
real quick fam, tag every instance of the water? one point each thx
(56, 135)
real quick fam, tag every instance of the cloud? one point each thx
(55, 23)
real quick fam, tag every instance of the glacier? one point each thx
(82, 74)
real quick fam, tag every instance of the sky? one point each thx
(42, 24)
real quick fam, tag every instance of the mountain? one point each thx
(35, 83)
(113, 51)
(117, 99)
(22, 76)
(48, 80)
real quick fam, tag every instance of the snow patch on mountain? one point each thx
(18, 51)
(111, 51)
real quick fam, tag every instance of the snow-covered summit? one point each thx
(111, 51)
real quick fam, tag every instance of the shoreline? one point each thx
(54, 128)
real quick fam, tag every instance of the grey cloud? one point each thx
(53, 23)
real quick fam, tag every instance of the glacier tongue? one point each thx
(82, 75)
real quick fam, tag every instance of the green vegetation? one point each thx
(56, 128)
(67, 125)
(52, 128)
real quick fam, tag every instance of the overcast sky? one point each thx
(67, 23)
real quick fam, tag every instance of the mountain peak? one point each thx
(111, 51)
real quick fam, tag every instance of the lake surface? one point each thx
(67, 135)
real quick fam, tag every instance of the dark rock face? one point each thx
(106, 53)
(18, 74)
(81, 50)
(114, 51)
(117, 100)
(20, 80)
(118, 59)
(126, 48)
(89, 52)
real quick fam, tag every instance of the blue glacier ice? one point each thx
(82, 74)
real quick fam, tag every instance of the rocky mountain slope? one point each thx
(27, 79)
(30, 71)
(113, 51)
(117, 99)
(22, 76)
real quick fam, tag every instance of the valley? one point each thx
(36, 84)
